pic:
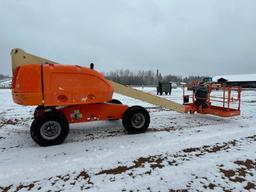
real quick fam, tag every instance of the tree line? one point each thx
(3, 76)
(146, 77)
(141, 77)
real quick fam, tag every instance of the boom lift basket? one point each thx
(222, 101)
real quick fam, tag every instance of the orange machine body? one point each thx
(93, 112)
(59, 85)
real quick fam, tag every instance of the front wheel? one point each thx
(136, 119)
(49, 129)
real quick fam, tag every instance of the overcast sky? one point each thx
(180, 37)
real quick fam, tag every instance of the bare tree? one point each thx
(145, 77)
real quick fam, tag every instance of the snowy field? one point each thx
(179, 152)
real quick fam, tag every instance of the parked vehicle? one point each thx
(164, 88)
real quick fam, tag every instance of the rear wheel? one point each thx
(40, 110)
(136, 119)
(49, 129)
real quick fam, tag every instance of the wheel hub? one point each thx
(50, 130)
(138, 120)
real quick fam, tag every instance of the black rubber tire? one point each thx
(41, 107)
(37, 124)
(130, 114)
(115, 101)
(37, 109)
(166, 93)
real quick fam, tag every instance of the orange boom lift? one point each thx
(67, 94)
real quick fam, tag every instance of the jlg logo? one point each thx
(76, 115)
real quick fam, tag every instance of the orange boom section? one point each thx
(59, 85)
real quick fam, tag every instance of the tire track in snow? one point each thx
(181, 156)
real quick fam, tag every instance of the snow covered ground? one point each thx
(5, 83)
(179, 152)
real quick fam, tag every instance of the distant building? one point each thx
(243, 80)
